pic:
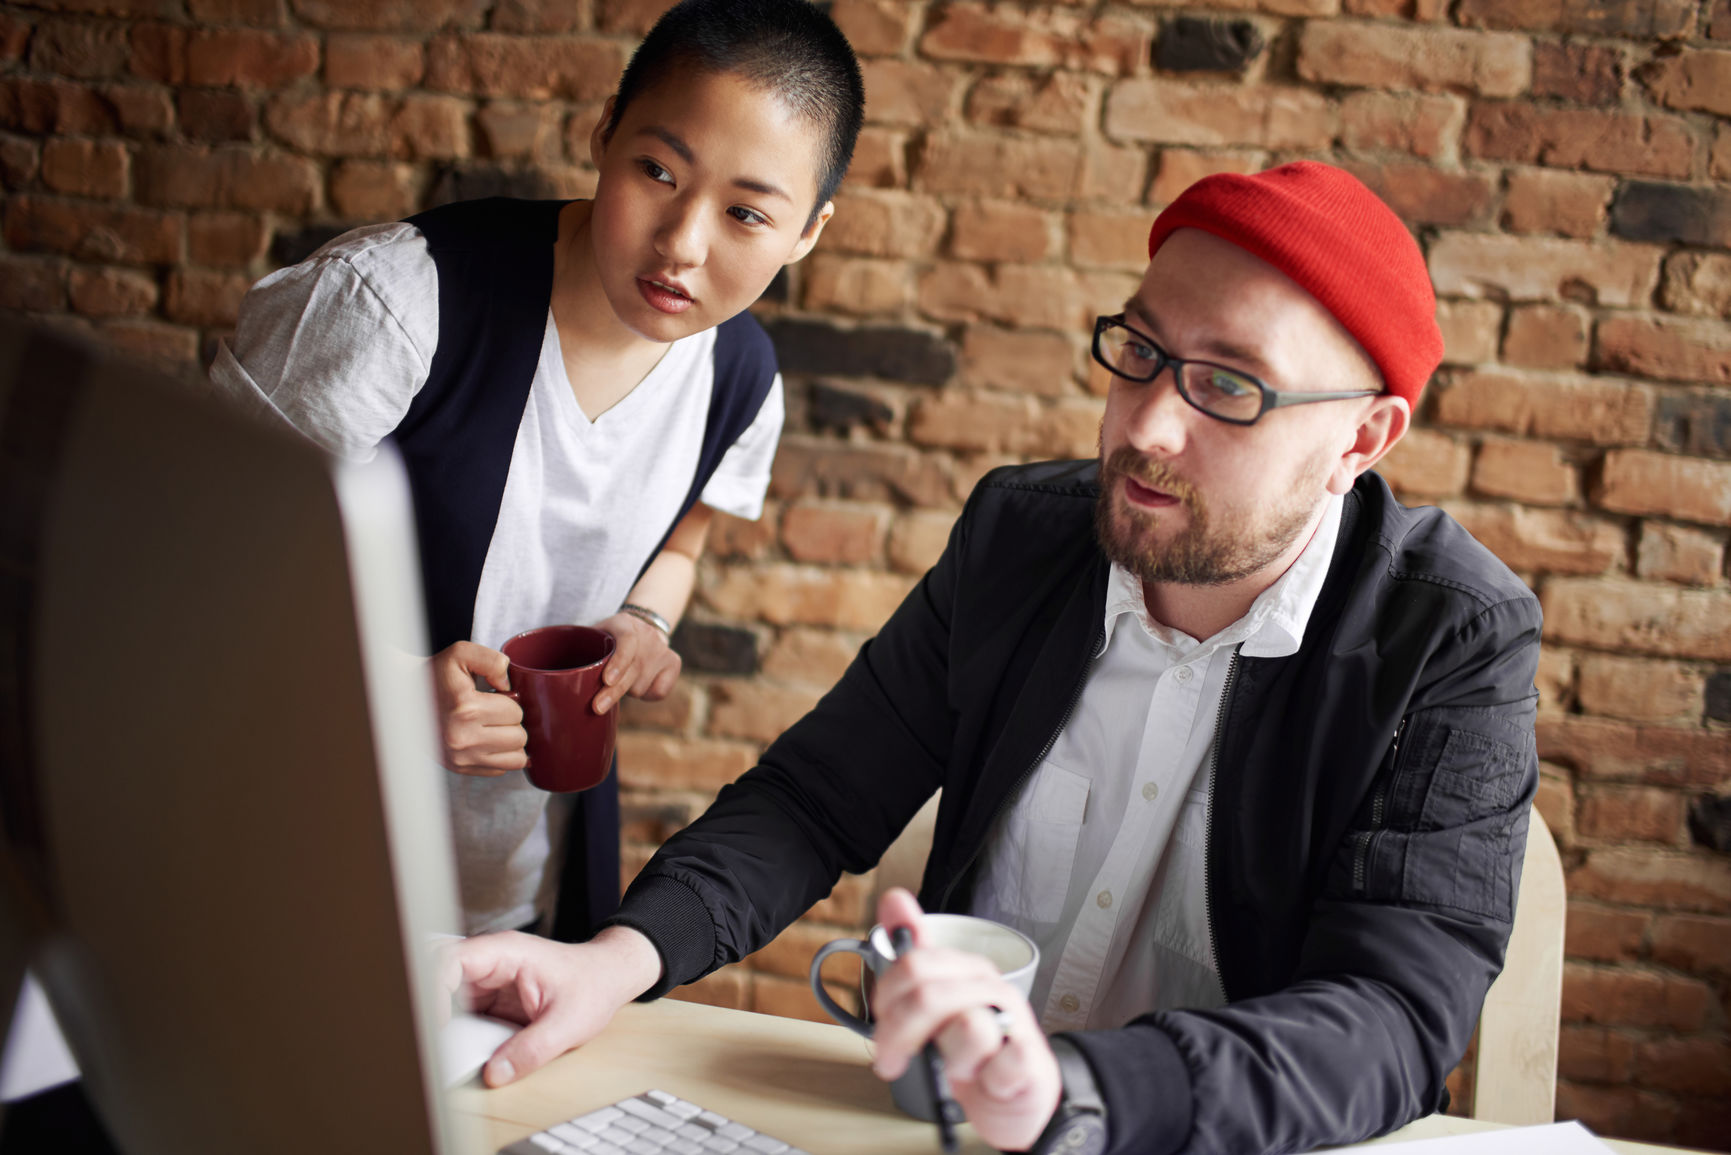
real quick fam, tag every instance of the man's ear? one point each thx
(1383, 423)
(812, 232)
(598, 135)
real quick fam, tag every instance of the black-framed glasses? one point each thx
(1222, 393)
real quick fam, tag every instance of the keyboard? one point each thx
(653, 1123)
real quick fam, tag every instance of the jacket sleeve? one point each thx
(828, 796)
(1403, 941)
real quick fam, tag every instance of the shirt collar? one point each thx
(1274, 625)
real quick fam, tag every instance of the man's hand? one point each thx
(1005, 1077)
(643, 664)
(563, 993)
(479, 733)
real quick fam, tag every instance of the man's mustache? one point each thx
(1126, 462)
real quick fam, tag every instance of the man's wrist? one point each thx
(636, 964)
(1078, 1126)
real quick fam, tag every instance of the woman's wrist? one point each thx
(649, 617)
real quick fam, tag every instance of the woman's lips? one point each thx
(662, 298)
(1147, 497)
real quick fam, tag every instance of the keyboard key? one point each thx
(572, 1136)
(547, 1143)
(657, 1135)
(765, 1144)
(643, 1147)
(712, 1118)
(684, 1147)
(617, 1137)
(738, 1132)
(597, 1120)
(650, 1113)
(661, 1097)
(683, 1110)
(717, 1144)
(693, 1132)
(632, 1124)
(605, 1149)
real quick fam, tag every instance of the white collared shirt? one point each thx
(1100, 860)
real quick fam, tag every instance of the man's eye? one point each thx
(1229, 384)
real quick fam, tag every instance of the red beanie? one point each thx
(1324, 229)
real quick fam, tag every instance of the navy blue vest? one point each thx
(495, 263)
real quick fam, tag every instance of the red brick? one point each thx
(374, 190)
(1550, 541)
(1667, 880)
(1645, 18)
(14, 38)
(736, 537)
(430, 128)
(1622, 1111)
(861, 286)
(633, 16)
(170, 345)
(1424, 195)
(1606, 273)
(791, 998)
(884, 224)
(995, 165)
(1555, 799)
(1625, 814)
(971, 467)
(834, 533)
(1627, 143)
(269, 182)
(1621, 997)
(849, 904)
(875, 27)
(1531, 472)
(1036, 296)
(53, 106)
(388, 63)
(1470, 330)
(1427, 463)
(140, 109)
(249, 59)
(1719, 164)
(810, 467)
(918, 539)
(1698, 944)
(31, 284)
(1719, 20)
(1018, 362)
(909, 93)
(510, 130)
(1041, 38)
(215, 115)
(1546, 337)
(331, 123)
(806, 595)
(1698, 284)
(257, 13)
(1180, 112)
(538, 16)
(1693, 80)
(1062, 102)
(1001, 231)
(159, 52)
(1593, 1054)
(112, 292)
(1366, 55)
(373, 15)
(669, 763)
(1549, 201)
(1110, 173)
(755, 710)
(1593, 409)
(1581, 73)
(1662, 755)
(1179, 168)
(534, 68)
(1686, 488)
(1604, 934)
(1685, 1066)
(879, 161)
(1678, 553)
(205, 297)
(92, 168)
(999, 423)
(1425, 126)
(809, 657)
(121, 235)
(1666, 348)
(728, 987)
(674, 712)
(83, 49)
(1643, 617)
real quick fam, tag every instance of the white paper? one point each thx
(1548, 1139)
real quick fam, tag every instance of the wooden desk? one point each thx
(807, 1083)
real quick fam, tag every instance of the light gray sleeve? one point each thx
(741, 479)
(339, 344)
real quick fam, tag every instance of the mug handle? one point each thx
(846, 1018)
(517, 697)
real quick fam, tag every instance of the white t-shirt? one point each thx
(339, 345)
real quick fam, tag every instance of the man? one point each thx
(1245, 745)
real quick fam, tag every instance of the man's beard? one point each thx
(1199, 554)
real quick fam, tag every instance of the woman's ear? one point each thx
(812, 232)
(599, 136)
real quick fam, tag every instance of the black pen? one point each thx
(902, 939)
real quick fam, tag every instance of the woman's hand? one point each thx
(643, 664)
(479, 733)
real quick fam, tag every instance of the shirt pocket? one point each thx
(1181, 904)
(1043, 831)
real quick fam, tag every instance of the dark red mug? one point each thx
(555, 672)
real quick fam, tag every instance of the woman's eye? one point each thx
(748, 216)
(655, 172)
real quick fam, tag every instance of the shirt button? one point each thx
(1150, 791)
(1103, 899)
(1070, 1003)
(1182, 673)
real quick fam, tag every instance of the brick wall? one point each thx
(1566, 165)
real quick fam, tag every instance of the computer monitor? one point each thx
(223, 834)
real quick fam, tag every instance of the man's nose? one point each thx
(1160, 419)
(681, 239)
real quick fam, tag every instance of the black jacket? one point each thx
(1368, 809)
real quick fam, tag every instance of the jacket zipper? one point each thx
(1064, 720)
(1378, 800)
(1208, 819)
